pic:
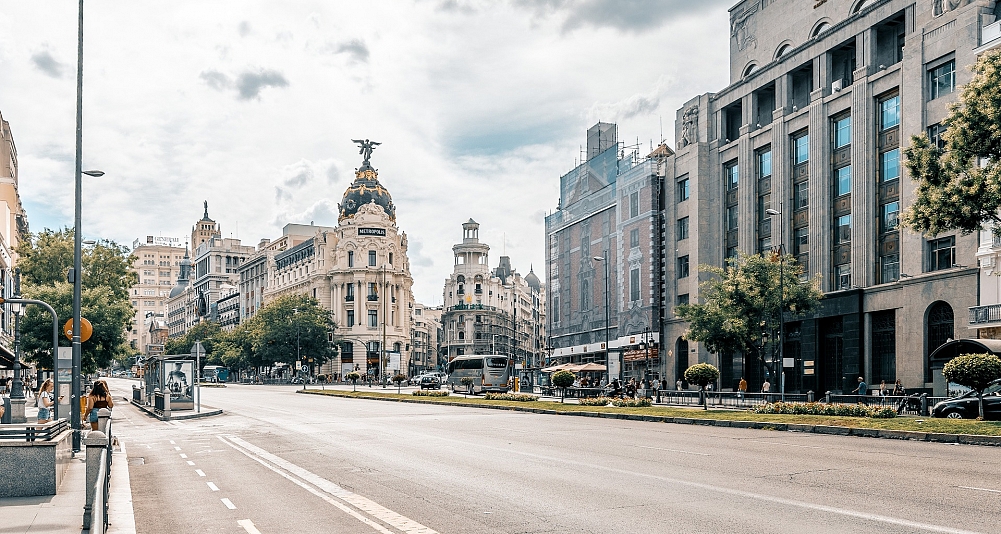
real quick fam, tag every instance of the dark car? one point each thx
(965, 406)
(430, 382)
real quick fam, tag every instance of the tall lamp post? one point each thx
(604, 260)
(782, 272)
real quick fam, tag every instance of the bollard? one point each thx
(103, 416)
(809, 396)
(96, 442)
(166, 406)
(924, 404)
(827, 397)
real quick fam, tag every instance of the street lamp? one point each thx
(604, 260)
(782, 335)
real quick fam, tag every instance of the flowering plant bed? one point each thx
(517, 397)
(429, 393)
(631, 403)
(819, 408)
(595, 401)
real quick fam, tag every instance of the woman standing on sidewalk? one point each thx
(45, 402)
(99, 398)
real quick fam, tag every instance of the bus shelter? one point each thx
(174, 373)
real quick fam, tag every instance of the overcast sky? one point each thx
(480, 107)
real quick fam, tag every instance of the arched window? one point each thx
(396, 347)
(749, 69)
(820, 28)
(858, 6)
(462, 335)
(783, 50)
(460, 279)
(940, 328)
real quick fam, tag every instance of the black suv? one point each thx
(965, 406)
(430, 382)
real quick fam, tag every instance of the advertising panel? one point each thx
(179, 379)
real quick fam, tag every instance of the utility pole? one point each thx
(382, 356)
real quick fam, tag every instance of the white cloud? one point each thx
(480, 107)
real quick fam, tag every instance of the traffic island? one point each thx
(910, 428)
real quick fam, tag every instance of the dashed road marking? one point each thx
(190, 462)
(184, 455)
(673, 450)
(200, 472)
(248, 525)
(980, 489)
(229, 504)
(212, 486)
(177, 448)
(172, 442)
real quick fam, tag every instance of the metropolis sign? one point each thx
(372, 231)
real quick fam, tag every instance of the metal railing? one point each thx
(36, 432)
(990, 313)
(95, 512)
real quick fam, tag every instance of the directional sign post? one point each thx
(197, 351)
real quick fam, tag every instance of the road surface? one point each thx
(278, 461)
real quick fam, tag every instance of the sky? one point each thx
(480, 107)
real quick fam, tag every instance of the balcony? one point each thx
(985, 315)
(471, 307)
(373, 298)
(349, 298)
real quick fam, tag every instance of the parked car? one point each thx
(430, 382)
(966, 405)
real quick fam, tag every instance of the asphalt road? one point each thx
(278, 461)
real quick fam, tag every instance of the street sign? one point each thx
(788, 362)
(86, 329)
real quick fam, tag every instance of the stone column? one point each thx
(96, 442)
(821, 240)
(863, 183)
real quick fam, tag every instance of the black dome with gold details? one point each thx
(365, 189)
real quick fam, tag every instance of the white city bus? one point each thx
(490, 373)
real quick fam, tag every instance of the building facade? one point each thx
(823, 98)
(608, 217)
(13, 229)
(425, 338)
(491, 311)
(157, 266)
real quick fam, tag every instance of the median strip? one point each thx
(935, 430)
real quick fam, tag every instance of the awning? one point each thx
(949, 350)
(575, 367)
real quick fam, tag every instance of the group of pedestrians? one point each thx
(45, 399)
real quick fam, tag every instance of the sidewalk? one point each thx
(63, 512)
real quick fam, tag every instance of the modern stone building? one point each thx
(610, 207)
(491, 311)
(823, 96)
(157, 266)
(425, 339)
(13, 229)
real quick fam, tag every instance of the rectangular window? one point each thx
(556, 309)
(843, 233)
(801, 149)
(941, 253)
(390, 258)
(843, 181)
(351, 318)
(731, 253)
(350, 292)
(373, 291)
(942, 80)
(801, 241)
(889, 112)
(889, 165)
(731, 173)
(764, 245)
(800, 195)
(843, 276)
(764, 204)
(889, 268)
(634, 204)
(935, 132)
(634, 238)
(373, 318)
(889, 216)
(682, 228)
(731, 218)
(765, 163)
(683, 192)
(683, 299)
(634, 285)
(371, 258)
(843, 132)
(683, 267)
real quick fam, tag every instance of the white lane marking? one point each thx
(190, 462)
(212, 486)
(248, 525)
(184, 455)
(330, 500)
(229, 504)
(200, 472)
(735, 492)
(177, 448)
(172, 442)
(980, 489)
(781, 443)
(673, 450)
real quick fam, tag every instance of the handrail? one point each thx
(99, 507)
(34, 432)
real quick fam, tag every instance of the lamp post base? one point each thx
(17, 415)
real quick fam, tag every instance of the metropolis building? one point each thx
(823, 98)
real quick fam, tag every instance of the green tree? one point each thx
(235, 349)
(46, 257)
(959, 188)
(291, 324)
(740, 307)
(207, 332)
(702, 374)
(108, 315)
(975, 371)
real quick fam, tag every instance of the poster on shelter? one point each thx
(179, 374)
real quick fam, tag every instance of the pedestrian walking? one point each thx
(898, 388)
(862, 389)
(678, 384)
(883, 391)
(45, 402)
(98, 398)
(741, 388)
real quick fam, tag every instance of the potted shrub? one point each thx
(702, 374)
(975, 371)
(468, 382)
(563, 379)
(399, 378)
(353, 376)
(322, 379)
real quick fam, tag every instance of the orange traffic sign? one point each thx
(86, 329)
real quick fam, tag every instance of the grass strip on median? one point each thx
(687, 415)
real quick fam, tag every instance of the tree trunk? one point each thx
(980, 399)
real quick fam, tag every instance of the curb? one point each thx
(178, 417)
(966, 439)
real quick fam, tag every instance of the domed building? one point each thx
(360, 271)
